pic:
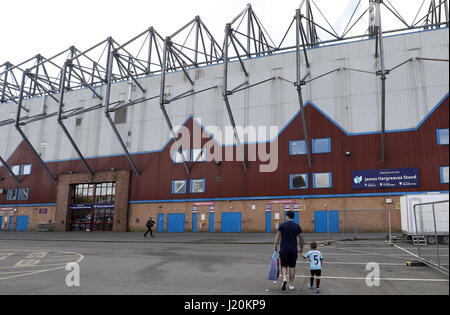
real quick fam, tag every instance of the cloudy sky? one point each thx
(46, 27)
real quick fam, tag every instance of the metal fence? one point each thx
(353, 224)
(431, 234)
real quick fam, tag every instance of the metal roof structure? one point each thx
(192, 46)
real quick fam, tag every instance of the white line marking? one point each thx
(372, 254)
(4, 256)
(381, 279)
(355, 263)
(385, 248)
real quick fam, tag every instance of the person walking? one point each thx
(149, 226)
(288, 232)
(316, 260)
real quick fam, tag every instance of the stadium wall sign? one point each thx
(385, 179)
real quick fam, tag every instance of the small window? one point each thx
(179, 187)
(23, 193)
(12, 194)
(78, 122)
(321, 145)
(197, 186)
(15, 169)
(178, 158)
(26, 169)
(442, 136)
(299, 181)
(198, 155)
(322, 180)
(444, 175)
(297, 147)
(97, 90)
(120, 116)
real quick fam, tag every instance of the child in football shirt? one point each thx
(316, 259)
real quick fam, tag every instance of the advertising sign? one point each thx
(81, 207)
(386, 179)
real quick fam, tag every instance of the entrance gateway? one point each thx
(92, 207)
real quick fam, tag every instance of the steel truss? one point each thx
(188, 48)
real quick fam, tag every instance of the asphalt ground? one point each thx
(201, 264)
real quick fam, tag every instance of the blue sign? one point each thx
(386, 179)
(104, 206)
(81, 207)
(89, 206)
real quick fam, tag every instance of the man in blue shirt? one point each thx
(288, 233)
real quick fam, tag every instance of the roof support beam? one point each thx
(61, 124)
(9, 170)
(22, 134)
(299, 82)
(380, 53)
(225, 93)
(107, 111)
(163, 102)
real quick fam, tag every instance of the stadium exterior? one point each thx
(102, 155)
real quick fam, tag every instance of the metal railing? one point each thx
(432, 228)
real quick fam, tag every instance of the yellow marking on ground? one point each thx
(33, 272)
(4, 256)
(27, 263)
(37, 255)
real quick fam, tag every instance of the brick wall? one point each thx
(254, 220)
(122, 180)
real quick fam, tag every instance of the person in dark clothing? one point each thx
(149, 226)
(288, 232)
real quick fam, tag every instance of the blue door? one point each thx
(176, 222)
(194, 222)
(10, 222)
(296, 218)
(1, 223)
(326, 221)
(231, 222)
(160, 228)
(211, 222)
(22, 223)
(268, 222)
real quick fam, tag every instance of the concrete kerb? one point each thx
(171, 238)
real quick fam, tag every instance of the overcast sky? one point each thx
(47, 27)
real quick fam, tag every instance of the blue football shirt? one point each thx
(315, 257)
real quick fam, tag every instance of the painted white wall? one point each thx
(351, 99)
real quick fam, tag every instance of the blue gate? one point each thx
(160, 228)
(1, 222)
(211, 222)
(22, 223)
(326, 221)
(268, 222)
(176, 222)
(231, 222)
(194, 222)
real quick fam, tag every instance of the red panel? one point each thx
(411, 149)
